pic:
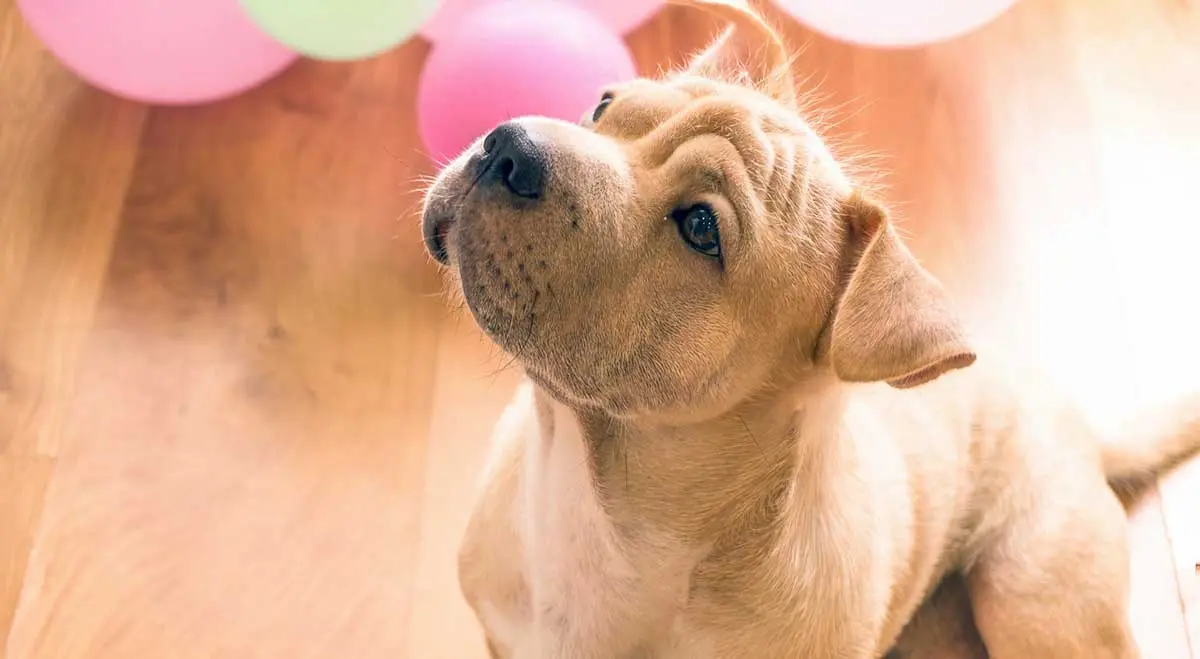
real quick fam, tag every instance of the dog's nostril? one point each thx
(520, 179)
(513, 160)
(505, 167)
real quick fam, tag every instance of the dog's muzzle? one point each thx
(510, 165)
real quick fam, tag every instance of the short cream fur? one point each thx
(794, 451)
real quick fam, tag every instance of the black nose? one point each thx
(512, 159)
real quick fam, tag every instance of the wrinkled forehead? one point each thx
(773, 144)
(648, 104)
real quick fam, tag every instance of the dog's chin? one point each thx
(509, 327)
(500, 284)
(508, 317)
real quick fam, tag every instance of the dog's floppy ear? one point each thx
(749, 51)
(894, 322)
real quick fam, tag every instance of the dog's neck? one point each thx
(620, 513)
(694, 480)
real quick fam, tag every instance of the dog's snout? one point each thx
(513, 160)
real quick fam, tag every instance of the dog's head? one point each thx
(690, 242)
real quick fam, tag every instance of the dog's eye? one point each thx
(605, 101)
(698, 227)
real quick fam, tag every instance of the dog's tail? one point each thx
(1152, 445)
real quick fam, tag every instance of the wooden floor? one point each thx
(236, 421)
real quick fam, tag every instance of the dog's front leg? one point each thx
(840, 567)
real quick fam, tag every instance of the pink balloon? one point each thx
(158, 51)
(620, 16)
(508, 59)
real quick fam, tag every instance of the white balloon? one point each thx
(895, 23)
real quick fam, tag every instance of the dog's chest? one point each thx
(572, 550)
(557, 579)
(590, 587)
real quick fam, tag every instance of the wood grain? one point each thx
(66, 154)
(238, 420)
(23, 481)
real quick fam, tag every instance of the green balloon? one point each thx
(340, 29)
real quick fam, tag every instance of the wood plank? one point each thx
(269, 431)
(23, 483)
(66, 152)
(243, 464)
(1181, 517)
(474, 383)
(1155, 607)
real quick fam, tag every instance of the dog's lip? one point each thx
(438, 224)
(441, 230)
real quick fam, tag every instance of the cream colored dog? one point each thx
(754, 427)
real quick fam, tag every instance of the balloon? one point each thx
(620, 16)
(513, 58)
(340, 29)
(158, 51)
(895, 23)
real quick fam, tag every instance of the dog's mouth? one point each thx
(442, 215)
(438, 237)
(440, 219)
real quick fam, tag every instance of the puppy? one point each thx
(753, 425)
